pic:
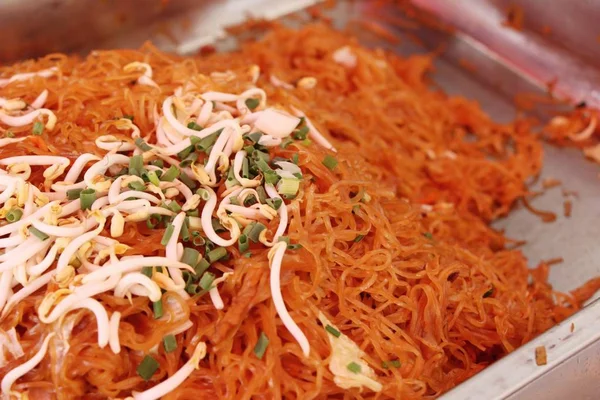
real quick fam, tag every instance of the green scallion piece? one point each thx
(158, 163)
(170, 343)
(147, 271)
(185, 152)
(288, 187)
(262, 195)
(189, 160)
(286, 142)
(73, 194)
(190, 256)
(330, 162)
(207, 280)
(392, 363)
(203, 193)
(129, 117)
(359, 238)
(153, 178)
(137, 185)
(261, 346)
(300, 134)
(295, 158)
(167, 235)
(254, 137)
(193, 213)
(10, 134)
(147, 367)
(216, 254)
(14, 215)
(245, 168)
(260, 155)
(185, 229)
(216, 225)
(488, 293)
(201, 267)
(153, 220)
(252, 103)
(354, 367)
(284, 239)
(294, 246)
(87, 198)
(274, 203)
(250, 200)
(172, 173)
(271, 177)
(247, 254)
(174, 206)
(253, 231)
(193, 125)
(136, 165)
(243, 244)
(428, 235)
(187, 181)
(38, 128)
(207, 142)
(157, 308)
(37, 233)
(142, 145)
(333, 331)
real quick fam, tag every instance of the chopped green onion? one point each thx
(190, 256)
(174, 206)
(171, 174)
(38, 128)
(284, 239)
(245, 168)
(252, 103)
(392, 363)
(254, 137)
(275, 203)
(167, 235)
(207, 280)
(359, 238)
(147, 271)
(271, 177)
(295, 158)
(288, 187)
(137, 185)
(261, 345)
(333, 331)
(203, 193)
(206, 142)
(216, 225)
(87, 197)
(307, 142)
(73, 194)
(142, 145)
(294, 246)
(243, 244)
(249, 150)
(193, 213)
(428, 235)
(301, 133)
(153, 178)
(129, 117)
(260, 155)
(170, 343)
(147, 367)
(216, 254)
(330, 162)
(185, 152)
(488, 293)
(185, 229)
(153, 220)
(253, 231)
(354, 367)
(14, 215)
(248, 254)
(262, 195)
(157, 308)
(201, 267)
(158, 163)
(198, 241)
(10, 134)
(191, 288)
(231, 181)
(187, 181)
(286, 142)
(136, 165)
(189, 160)
(250, 200)
(193, 125)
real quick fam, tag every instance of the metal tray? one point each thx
(506, 62)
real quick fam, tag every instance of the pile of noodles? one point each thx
(430, 284)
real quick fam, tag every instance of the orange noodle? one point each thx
(390, 250)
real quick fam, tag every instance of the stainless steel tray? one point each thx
(506, 62)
